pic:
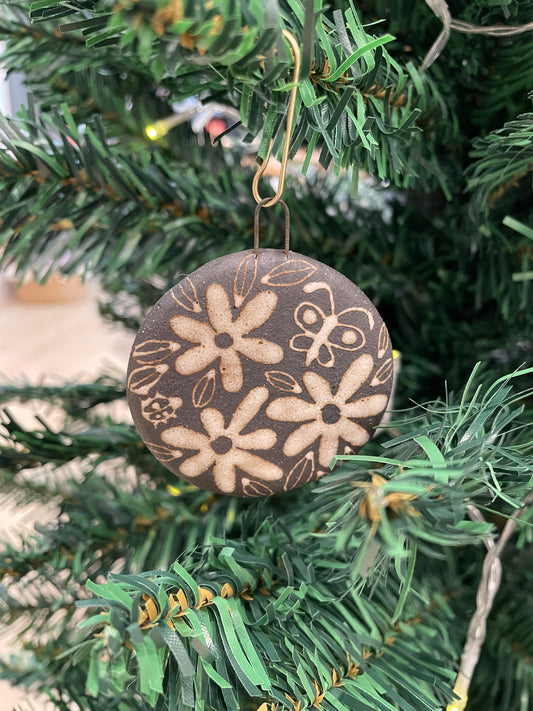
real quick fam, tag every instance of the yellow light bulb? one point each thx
(161, 127)
(460, 691)
(455, 707)
(152, 132)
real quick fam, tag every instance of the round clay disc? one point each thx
(252, 373)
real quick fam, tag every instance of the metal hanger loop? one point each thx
(264, 203)
(290, 117)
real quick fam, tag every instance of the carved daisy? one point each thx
(225, 338)
(328, 417)
(225, 448)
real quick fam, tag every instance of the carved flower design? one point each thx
(160, 409)
(225, 338)
(329, 416)
(226, 448)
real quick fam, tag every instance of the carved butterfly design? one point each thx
(321, 333)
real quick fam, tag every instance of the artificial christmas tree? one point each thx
(357, 591)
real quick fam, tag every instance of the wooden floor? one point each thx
(50, 342)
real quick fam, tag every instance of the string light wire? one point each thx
(441, 10)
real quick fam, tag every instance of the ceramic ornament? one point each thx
(252, 373)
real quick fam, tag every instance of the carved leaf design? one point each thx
(164, 454)
(255, 488)
(204, 389)
(290, 273)
(142, 380)
(383, 373)
(283, 381)
(383, 341)
(302, 472)
(244, 279)
(184, 294)
(154, 351)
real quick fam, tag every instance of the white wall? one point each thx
(5, 94)
(12, 90)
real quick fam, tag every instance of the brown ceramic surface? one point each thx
(252, 373)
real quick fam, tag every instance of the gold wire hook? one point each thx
(290, 116)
